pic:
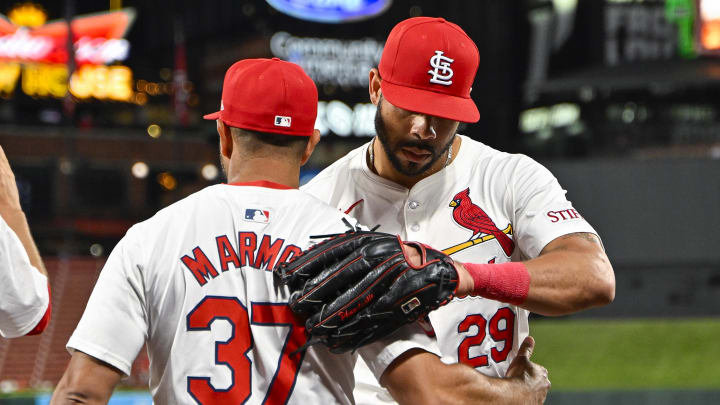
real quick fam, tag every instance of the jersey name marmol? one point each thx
(262, 256)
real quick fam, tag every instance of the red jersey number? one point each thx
(233, 352)
(473, 340)
(498, 331)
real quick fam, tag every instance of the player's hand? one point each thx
(9, 196)
(466, 285)
(533, 377)
(465, 281)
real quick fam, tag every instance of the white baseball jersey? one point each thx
(487, 206)
(24, 295)
(195, 283)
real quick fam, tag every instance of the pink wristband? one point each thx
(506, 282)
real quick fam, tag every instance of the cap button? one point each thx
(275, 58)
(441, 19)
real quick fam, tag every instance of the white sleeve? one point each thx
(24, 293)
(379, 355)
(114, 326)
(542, 213)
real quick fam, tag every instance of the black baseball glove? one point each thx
(357, 287)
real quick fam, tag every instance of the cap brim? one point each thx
(431, 103)
(212, 116)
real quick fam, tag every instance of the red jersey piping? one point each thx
(262, 183)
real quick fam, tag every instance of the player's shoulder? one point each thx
(176, 213)
(340, 169)
(5, 230)
(313, 216)
(481, 155)
(480, 152)
(188, 202)
(318, 208)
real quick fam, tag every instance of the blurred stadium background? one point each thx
(619, 98)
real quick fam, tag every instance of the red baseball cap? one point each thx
(428, 66)
(268, 95)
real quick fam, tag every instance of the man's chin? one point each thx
(410, 169)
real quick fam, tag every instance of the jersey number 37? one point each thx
(233, 352)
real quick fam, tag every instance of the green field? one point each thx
(629, 354)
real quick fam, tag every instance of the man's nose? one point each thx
(422, 127)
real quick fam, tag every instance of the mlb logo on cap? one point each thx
(281, 121)
(257, 215)
(268, 95)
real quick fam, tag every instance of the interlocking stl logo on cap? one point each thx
(440, 62)
(419, 43)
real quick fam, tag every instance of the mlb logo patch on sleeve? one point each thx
(257, 215)
(281, 121)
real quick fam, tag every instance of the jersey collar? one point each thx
(262, 183)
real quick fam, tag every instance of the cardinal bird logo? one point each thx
(472, 217)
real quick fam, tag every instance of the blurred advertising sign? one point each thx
(642, 30)
(37, 52)
(342, 120)
(331, 11)
(335, 63)
(708, 26)
(331, 61)
(571, 37)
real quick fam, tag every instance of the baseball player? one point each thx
(524, 246)
(24, 289)
(195, 281)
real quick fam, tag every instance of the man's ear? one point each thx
(374, 86)
(312, 142)
(226, 139)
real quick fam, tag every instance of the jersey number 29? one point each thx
(233, 352)
(497, 334)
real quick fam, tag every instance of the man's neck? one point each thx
(384, 168)
(258, 169)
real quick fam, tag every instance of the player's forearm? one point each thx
(16, 220)
(467, 386)
(63, 396)
(571, 274)
(420, 378)
(86, 381)
(565, 281)
(458, 384)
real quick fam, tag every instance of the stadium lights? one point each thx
(167, 181)
(140, 170)
(140, 98)
(709, 26)
(96, 250)
(209, 171)
(154, 130)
